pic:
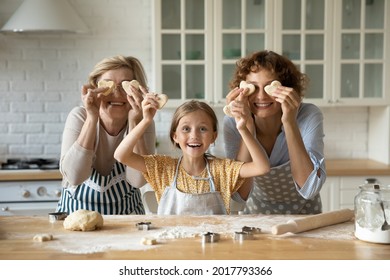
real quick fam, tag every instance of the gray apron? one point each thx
(175, 202)
(275, 193)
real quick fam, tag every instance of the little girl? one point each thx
(196, 183)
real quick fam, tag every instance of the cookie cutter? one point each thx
(253, 230)
(243, 235)
(210, 237)
(144, 225)
(57, 216)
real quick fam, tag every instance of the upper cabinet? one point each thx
(340, 45)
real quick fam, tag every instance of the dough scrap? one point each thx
(148, 241)
(83, 220)
(43, 237)
(250, 87)
(272, 87)
(104, 83)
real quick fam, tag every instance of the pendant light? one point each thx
(56, 16)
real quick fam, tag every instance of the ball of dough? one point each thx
(83, 220)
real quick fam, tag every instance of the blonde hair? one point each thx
(189, 107)
(117, 62)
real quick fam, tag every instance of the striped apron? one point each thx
(275, 193)
(108, 195)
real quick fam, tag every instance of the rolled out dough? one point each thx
(83, 220)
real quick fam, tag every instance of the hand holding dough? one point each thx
(109, 84)
(83, 220)
(244, 85)
(272, 87)
(161, 98)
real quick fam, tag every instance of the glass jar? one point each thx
(372, 213)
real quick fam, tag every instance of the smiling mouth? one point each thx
(194, 145)
(263, 105)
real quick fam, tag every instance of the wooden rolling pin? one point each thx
(314, 221)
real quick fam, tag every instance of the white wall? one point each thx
(41, 77)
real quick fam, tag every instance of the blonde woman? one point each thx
(92, 178)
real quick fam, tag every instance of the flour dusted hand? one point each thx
(83, 220)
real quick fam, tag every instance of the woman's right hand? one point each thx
(91, 100)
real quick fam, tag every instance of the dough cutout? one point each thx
(109, 84)
(272, 87)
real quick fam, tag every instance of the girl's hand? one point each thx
(149, 106)
(290, 102)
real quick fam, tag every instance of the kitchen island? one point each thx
(181, 238)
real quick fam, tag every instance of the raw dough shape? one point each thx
(227, 110)
(272, 87)
(148, 241)
(104, 83)
(43, 237)
(126, 85)
(250, 87)
(161, 98)
(83, 220)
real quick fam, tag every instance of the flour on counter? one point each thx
(120, 233)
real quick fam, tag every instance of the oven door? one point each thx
(27, 208)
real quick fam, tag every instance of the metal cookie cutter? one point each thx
(243, 235)
(57, 216)
(144, 225)
(252, 230)
(210, 237)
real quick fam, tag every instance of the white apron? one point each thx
(175, 202)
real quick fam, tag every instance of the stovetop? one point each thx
(33, 163)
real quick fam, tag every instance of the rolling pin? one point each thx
(314, 221)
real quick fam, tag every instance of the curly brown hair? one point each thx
(283, 68)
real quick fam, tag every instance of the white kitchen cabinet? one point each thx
(339, 44)
(339, 192)
(197, 43)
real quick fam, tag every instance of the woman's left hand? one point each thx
(135, 100)
(290, 102)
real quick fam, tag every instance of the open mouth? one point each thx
(116, 103)
(194, 145)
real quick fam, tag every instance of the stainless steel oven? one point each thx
(28, 188)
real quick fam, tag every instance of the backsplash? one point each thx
(41, 76)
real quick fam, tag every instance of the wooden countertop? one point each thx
(29, 175)
(356, 167)
(180, 237)
(334, 167)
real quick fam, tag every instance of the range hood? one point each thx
(56, 16)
